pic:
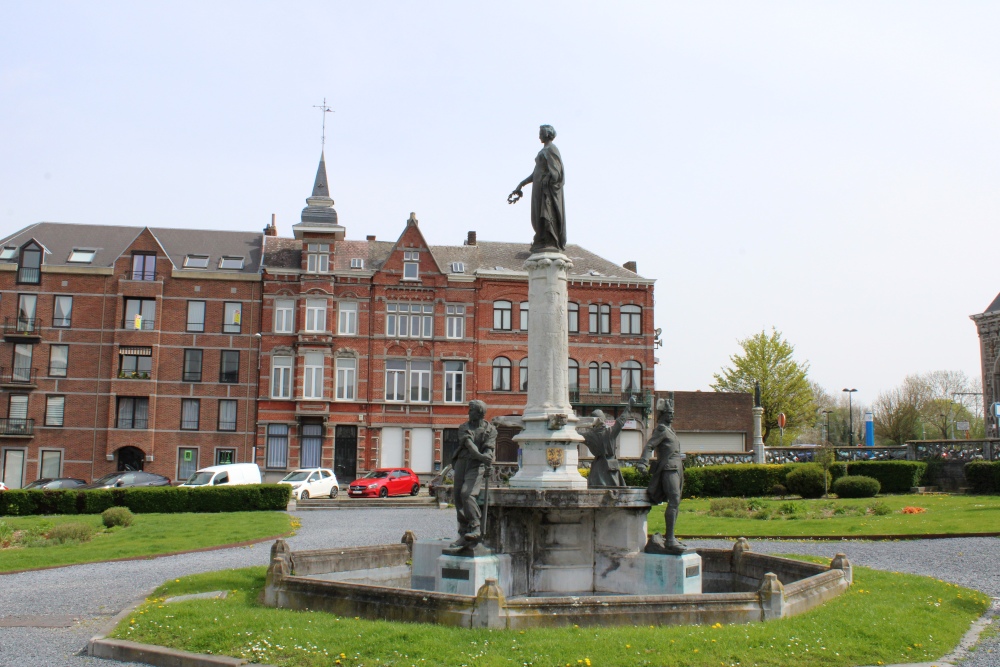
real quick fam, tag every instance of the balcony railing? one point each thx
(21, 325)
(29, 275)
(135, 423)
(14, 426)
(145, 324)
(18, 375)
(229, 376)
(135, 375)
(141, 275)
(191, 376)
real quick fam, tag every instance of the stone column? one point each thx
(549, 454)
(758, 439)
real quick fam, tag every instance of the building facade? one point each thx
(988, 328)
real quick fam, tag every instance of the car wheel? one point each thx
(334, 491)
(383, 492)
(415, 490)
(304, 495)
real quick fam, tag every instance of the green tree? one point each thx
(897, 412)
(784, 387)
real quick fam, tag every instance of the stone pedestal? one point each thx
(465, 576)
(758, 440)
(549, 441)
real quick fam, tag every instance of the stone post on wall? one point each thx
(758, 438)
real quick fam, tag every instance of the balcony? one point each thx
(22, 329)
(17, 377)
(135, 375)
(643, 400)
(29, 275)
(18, 428)
(145, 324)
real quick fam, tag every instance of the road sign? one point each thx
(782, 420)
(962, 426)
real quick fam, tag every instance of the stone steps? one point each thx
(343, 502)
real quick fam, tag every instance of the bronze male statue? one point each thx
(601, 441)
(548, 213)
(666, 480)
(477, 438)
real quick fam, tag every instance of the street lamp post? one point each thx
(827, 413)
(850, 415)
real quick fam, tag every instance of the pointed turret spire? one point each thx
(319, 214)
(320, 187)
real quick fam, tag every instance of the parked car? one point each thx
(312, 483)
(4, 487)
(128, 478)
(385, 482)
(56, 483)
(228, 474)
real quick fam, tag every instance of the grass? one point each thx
(887, 617)
(829, 517)
(149, 535)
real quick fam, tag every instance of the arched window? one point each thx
(501, 374)
(573, 317)
(631, 320)
(501, 315)
(524, 316)
(523, 372)
(595, 377)
(605, 378)
(574, 376)
(631, 377)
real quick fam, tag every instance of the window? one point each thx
(143, 266)
(51, 463)
(133, 412)
(54, 410)
(522, 368)
(190, 413)
(134, 362)
(62, 311)
(312, 446)
(231, 263)
(631, 320)
(357, 263)
(600, 378)
(29, 270)
(229, 366)
(454, 381)
(501, 374)
(420, 381)
(140, 314)
(281, 377)
(7, 253)
(284, 316)
(192, 366)
(315, 314)
(631, 377)
(411, 265)
(395, 380)
(458, 267)
(81, 255)
(600, 318)
(573, 317)
(313, 374)
(225, 456)
(277, 446)
(573, 379)
(501, 315)
(187, 462)
(17, 415)
(58, 360)
(196, 262)
(347, 320)
(227, 415)
(232, 316)
(196, 316)
(523, 310)
(21, 371)
(347, 370)
(318, 258)
(455, 321)
(409, 320)
(26, 304)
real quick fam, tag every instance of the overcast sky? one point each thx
(828, 169)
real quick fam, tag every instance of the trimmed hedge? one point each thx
(893, 476)
(808, 480)
(856, 486)
(147, 500)
(983, 476)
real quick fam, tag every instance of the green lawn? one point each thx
(149, 535)
(829, 517)
(884, 617)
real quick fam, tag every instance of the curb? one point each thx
(840, 538)
(126, 651)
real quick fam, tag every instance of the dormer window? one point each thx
(82, 256)
(357, 263)
(318, 259)
(411, 264)
(458, 267)
(29, 268)
(196, 262)
(231, 263)
(8, 253)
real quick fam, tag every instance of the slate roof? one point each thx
(110, 241)
(994, 305)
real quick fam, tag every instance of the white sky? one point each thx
(828, 169)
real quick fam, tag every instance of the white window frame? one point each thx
(630, 316)
(409, 320)
(411, 265)
(64, 322)
(195, 262)
(502, 315)
(227, 263)
(522, 374)
(420, 381)
(455, 321)
(313, 364)
(347, 378)
(395, 381)
(573, 317)
(284, 315)
(357, 263)
(281, 376)
(347, 318)
(315, 315)
(631, 376)
(501, 374)
(458, 267)
(523, 310)
(81, 256)
(454, 382)
(42, 455)
(189, 322)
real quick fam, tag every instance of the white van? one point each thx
(231, 473)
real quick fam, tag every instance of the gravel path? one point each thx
(86, 597)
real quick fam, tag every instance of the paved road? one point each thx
(79, 601)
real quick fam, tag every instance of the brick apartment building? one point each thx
(172, 349)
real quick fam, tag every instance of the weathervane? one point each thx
(325, 110)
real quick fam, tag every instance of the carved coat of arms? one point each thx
(555, 456)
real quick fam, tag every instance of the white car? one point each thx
(312, 483)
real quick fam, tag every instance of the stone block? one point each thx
(425, 568)
(649, 574)
(461, 575)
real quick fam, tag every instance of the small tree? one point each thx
(825, 456)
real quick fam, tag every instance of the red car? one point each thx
(385, 482)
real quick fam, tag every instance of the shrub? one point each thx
(70, 532)
(16, 503)
(879, 508)
(807, 480)
(893, 476)
(856, 486)
(779, 490)
(630, 474)
(117, 516)
(837, 470)
(983, 476)
(584, 472)
(720, 505)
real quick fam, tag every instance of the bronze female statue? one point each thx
(548, 213)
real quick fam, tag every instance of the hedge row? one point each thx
(983, 476)
(146, 500)
(893, 476)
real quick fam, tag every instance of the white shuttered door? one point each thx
(422, 450)
(391, 455)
